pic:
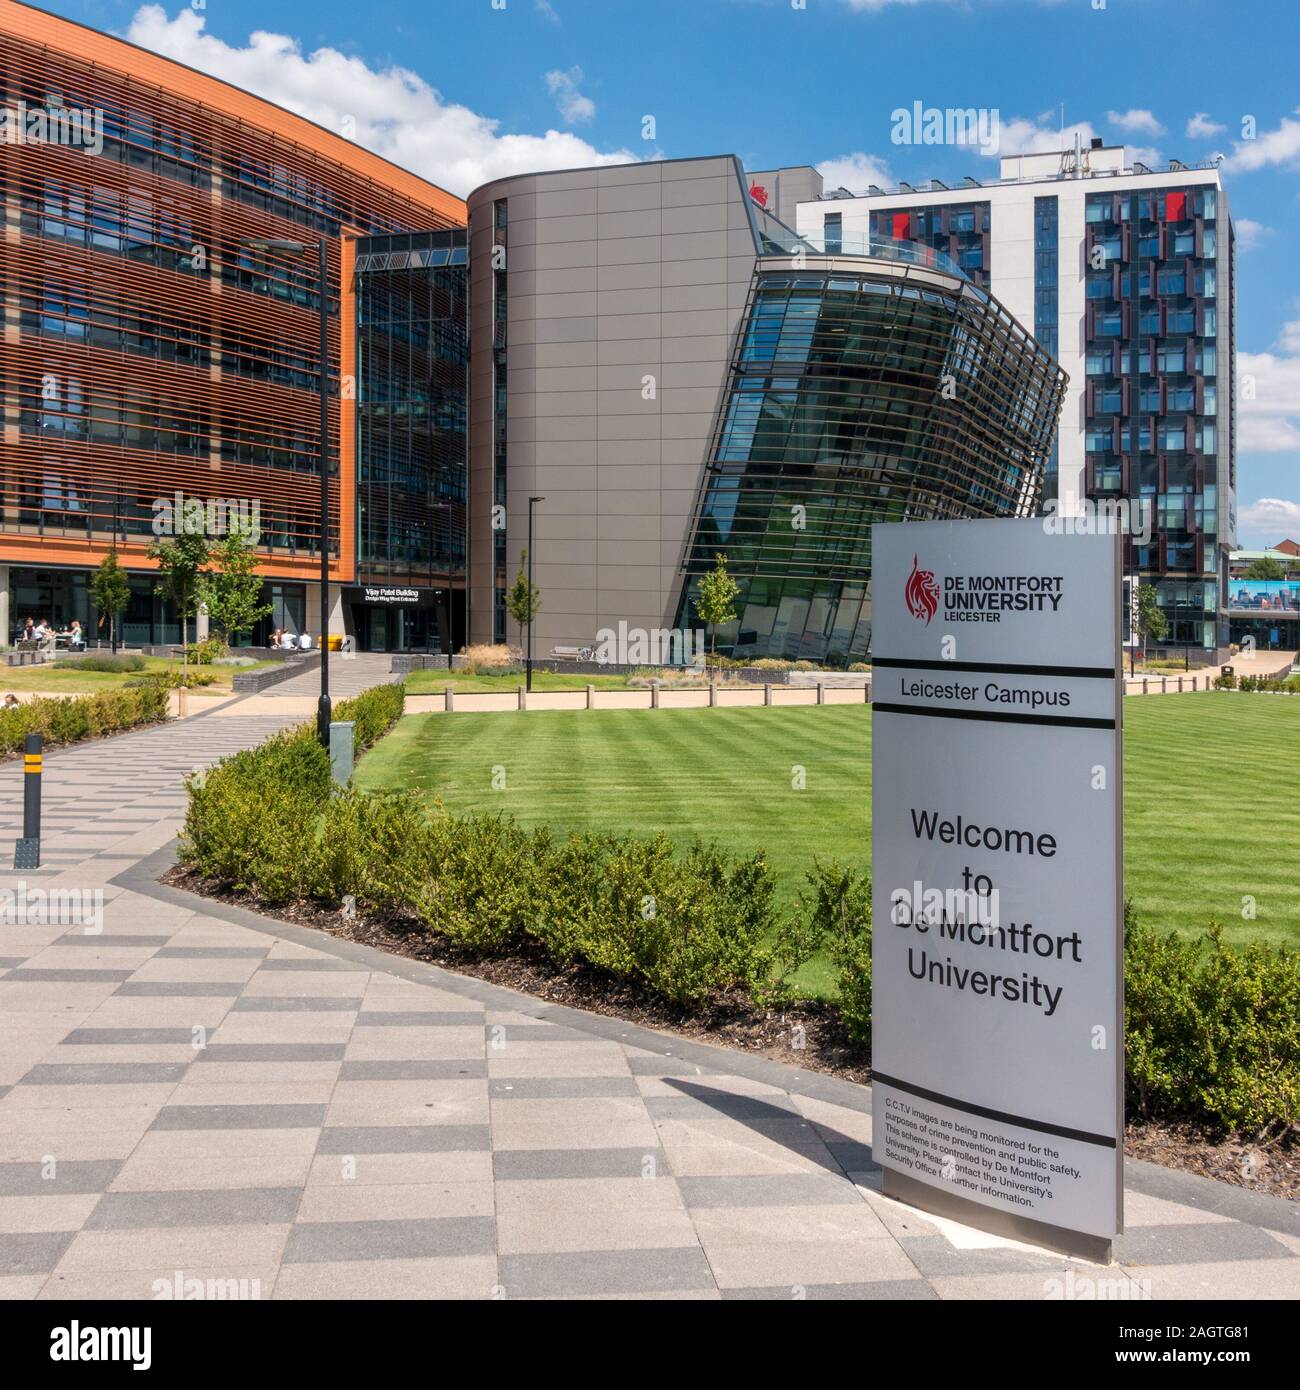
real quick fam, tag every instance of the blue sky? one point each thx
(463, 90)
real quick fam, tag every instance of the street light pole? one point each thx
(324, 711)
(528, 660)
(297, 248)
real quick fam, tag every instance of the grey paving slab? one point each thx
(239, 1117)
(32, 975)
(294, 1004)
(32, 1252)
(1198, 1244)
(66, 1175)
(103, 1073)
(213, 1207)
(629, 1272)
(127, 1037)
(517, 1165)
(412, 1239)
(271, 1052)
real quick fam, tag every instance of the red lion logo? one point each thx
(758, 193)
(922, 593)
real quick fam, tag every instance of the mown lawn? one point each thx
(435, 682)
(1212, 790)
(51, 679)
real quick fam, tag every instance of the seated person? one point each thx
(304, 642)
(76, 636)
(289, 642)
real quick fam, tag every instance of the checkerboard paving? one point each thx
(198, 1099)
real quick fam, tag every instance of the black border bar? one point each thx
(993, 716)
(1001, 1116)
(997, 668)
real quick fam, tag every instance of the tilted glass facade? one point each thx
(413, 360)
(884, 395)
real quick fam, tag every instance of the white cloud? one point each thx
(392, 111)
(1249, 232)
(1021, 135)
(545, 8)
(565, 87)
(855, 172)
(1201, 127)
(1136, 120)
(1268, 397)
(1273, 517)
(1280, 146)
(1289, 338)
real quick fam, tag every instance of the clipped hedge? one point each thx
(1212, 1032)
(80, 717)
(127, 662)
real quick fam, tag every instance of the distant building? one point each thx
(1126, 275)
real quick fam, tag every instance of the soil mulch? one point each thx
(806, 1034)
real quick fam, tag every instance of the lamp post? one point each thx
(532, 604)
(297, 248)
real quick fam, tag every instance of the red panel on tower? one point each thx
(902, 225)
(1175, 207)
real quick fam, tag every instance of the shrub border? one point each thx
(1260, 1209)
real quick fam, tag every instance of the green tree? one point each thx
(1151, 620)
(111, 590)
(232, 593)
(716, 600)
(1266, 567)
(180, 567)
(523, 600)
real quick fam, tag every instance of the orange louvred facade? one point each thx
(148, 350)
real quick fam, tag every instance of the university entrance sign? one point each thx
(997, 996)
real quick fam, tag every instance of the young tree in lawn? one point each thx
(523, 600)
(232, 593)
(180, 565)
(111, 590)
(1151, 622)
(716, 601)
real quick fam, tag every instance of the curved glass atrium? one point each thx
(880, 392)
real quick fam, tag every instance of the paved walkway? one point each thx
(197, 1093)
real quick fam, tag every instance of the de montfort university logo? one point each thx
(922, 593)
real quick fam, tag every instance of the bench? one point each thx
(572, 653)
